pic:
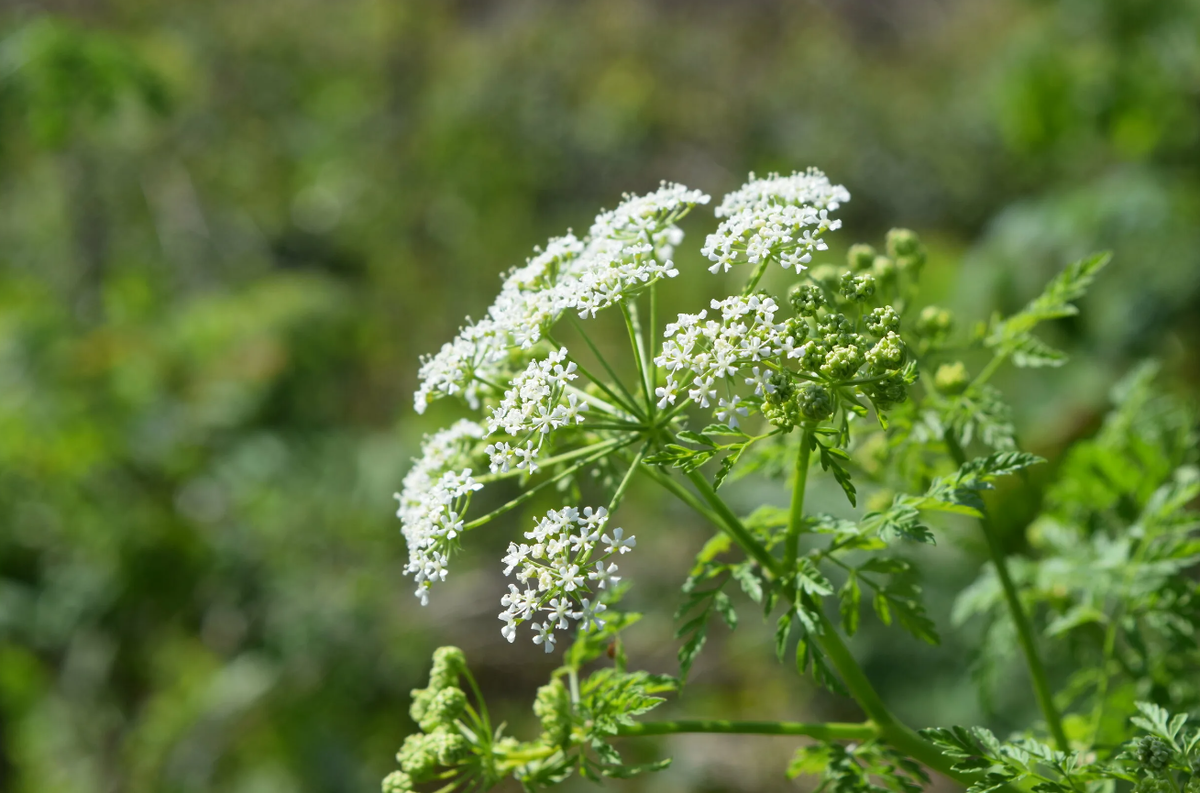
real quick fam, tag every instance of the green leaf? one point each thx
(695, 437)
(724, 607)
(811, 580)
(782, 628)
(748, 579)
(850, 596)
(829, 457)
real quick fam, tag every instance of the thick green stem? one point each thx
(822, 732)
(895, 732)
(889, 728)
(1037, 671)
(796, 514)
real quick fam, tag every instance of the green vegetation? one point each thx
(229, 230)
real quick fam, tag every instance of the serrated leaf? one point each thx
(691, 649)
(749, 581)
(724, 429)
(850, 596)
(694, 437)
(782, 628)
(724, 607)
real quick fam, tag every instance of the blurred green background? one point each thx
(229, 228)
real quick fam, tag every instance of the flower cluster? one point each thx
(779, 218)
(432, 500)
(535, 406)
(435, 709)
(626, 249)
(791, 365)
(705, 350)
(558, 570)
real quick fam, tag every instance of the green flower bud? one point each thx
(1153, 753)
(812, 355)
(826, 275)
(888, 353)
(883, 321)
(934, 322)
(806, 299)
(836, 328)
(814, 402)
(884, 269)
(780, 414)
(951, 378)
(841, 363)
(902, 242)
(887, 392)
(449, 746)
(417, 756)
(421, 698)
(858, 287)
(397, 782)
(448, 664)
(445, 706)
(552, 706)
(782, 388)
(860, 257)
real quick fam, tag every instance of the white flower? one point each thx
(780, 218)
(626, 249)
(566, 567)
(545, 636)
(433, 497)
(729, 410)
(615, 543)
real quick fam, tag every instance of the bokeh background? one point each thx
(229, 228)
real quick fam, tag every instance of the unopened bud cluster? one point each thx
(1153, 754)
(436, 709)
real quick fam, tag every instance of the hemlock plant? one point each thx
(845, 371)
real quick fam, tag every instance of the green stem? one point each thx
(892, 730)
(822, 732)
(629, 398)
(683, 494)
(989, 370)
(635, 339)
(755, 277)
(796, 514)
(1037, 671)
(625, 480)
(631, 407)
(549, 461)
(601, 450)
(732, 526)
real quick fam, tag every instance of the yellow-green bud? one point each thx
(860, 257)
(417, 756)
(449, 746)
(841, 362)
(951, 378)
(888, 353)
(448, 663)
(397, 782)
(882, 321)
(858, 287)
(806, 299)
(884, 269)
(552, 706)
(934, 322)
(902, 242)
(446, 706)
(814, 402)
